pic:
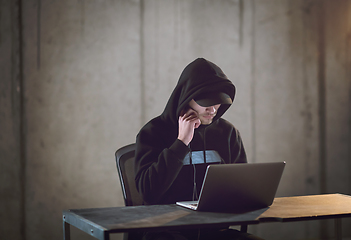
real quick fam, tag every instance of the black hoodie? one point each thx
(166, 169)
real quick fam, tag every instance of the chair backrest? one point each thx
(125, 168)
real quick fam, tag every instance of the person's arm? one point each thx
(238, 154)
(156, 168)
(158, 165)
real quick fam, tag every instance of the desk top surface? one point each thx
(305, 207)
(121, 219)
(159, 217)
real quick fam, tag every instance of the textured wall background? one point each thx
(79, 78)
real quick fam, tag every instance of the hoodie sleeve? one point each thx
(238, 154)
(156, 165)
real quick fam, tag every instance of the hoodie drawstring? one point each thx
(195, 196)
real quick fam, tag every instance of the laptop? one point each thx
(238, 187)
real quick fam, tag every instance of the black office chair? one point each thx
(125, 168)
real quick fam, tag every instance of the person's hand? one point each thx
(187, 122)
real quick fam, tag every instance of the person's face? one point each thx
(205, 114)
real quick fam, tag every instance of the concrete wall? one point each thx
(11, 126)
(79, 78)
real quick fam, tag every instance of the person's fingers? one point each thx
(197, 123)
(189, 112)
(191, 117)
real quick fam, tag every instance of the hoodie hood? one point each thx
(199, 77)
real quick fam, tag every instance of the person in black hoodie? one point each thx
(174, 149)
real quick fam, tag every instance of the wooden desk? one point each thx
(101, 222)
(313, 207)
